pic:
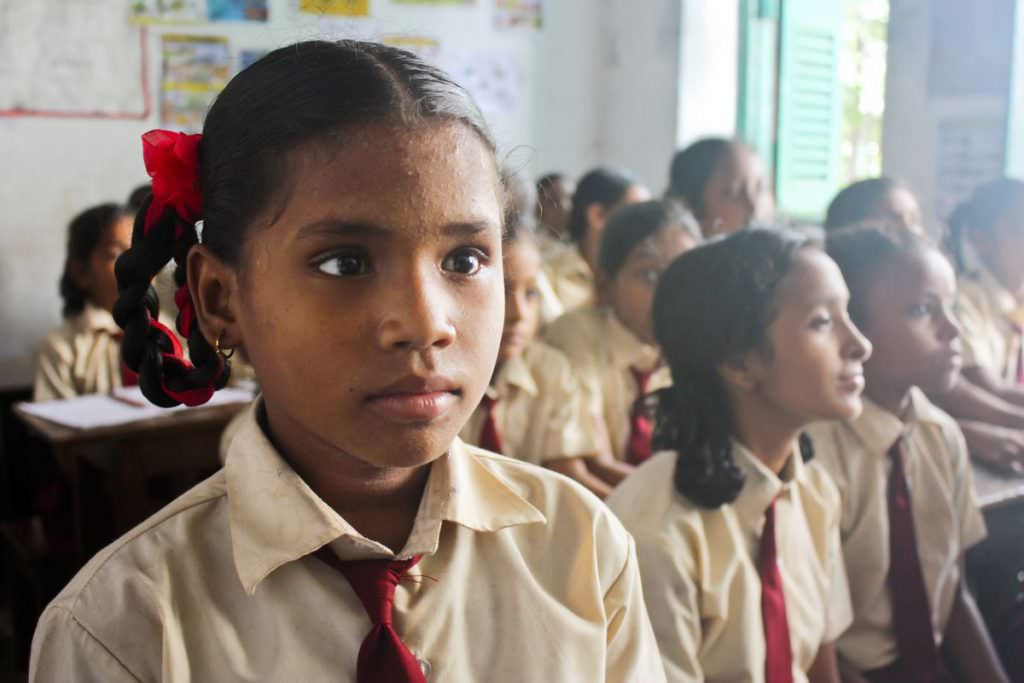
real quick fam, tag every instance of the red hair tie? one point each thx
(172, 161)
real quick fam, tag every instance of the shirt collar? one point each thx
(96, 319)
(761, 485)
(879, 429)
(626, 346)
(266, 535)
(514, 373)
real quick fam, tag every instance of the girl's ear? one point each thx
(602, 288)
(214, 287)
(743, 373)
(596, 215)
(79, 273)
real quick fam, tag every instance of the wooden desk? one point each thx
(996, 490)
(177, 446)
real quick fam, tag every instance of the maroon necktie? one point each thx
(911, 614)
(490, 437)
(640, 428)
(383, 657)
(778, 661)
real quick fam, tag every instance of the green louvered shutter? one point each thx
(810, 106)
(758, 77)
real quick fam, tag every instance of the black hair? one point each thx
(86, 232)
(858, 201)
(692, 168)
(604, 186)
(714, 304)
(309, 91)
(138, 197)
(549, 179)
(862, 252)
(979, 214)
(630, 225)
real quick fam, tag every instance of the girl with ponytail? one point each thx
(340, 219)
(737, 535)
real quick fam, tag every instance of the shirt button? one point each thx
(424, 667)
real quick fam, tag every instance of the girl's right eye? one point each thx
(820, 321)
(344, 265)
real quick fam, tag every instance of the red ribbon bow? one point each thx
(172, 161)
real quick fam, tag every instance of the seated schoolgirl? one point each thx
(572, 268)
(903, 471)
(82, 356)
(880, 201)
(722, 182)
(737, 536)
(351, 241)
(612, 346)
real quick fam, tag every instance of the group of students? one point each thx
(785, 499)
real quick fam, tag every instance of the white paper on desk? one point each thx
(99, 410)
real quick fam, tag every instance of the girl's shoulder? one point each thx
(577, 333)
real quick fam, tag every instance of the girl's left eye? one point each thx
(821, 321)
(465, 261)
(919, 311)
(344, 265)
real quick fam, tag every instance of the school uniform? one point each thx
(615, 368)
(992, 320)
(860, 456)
(570, 276)
(707, 572)
(533, 410)
(524, 576)
(82, 356)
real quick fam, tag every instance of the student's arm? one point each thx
(576, 468)
(967, 642)
(53, 372)
(608, 469)
(992, 383)
(969, 401)
(997, 446)
(825, 668)
(632, 651)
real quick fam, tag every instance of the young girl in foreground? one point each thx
(351, 242)
(902, 468)
(738, 538)
(83, 355)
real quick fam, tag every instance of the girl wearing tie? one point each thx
(737, 534)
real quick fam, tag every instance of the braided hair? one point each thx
(306, 92)
(712, 305)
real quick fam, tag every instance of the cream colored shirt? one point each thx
(603, 351)
(82, 356)
(990, 317)
(525, 577)
(699, 567)
(946, 517)
(539, 410)
(570, 276)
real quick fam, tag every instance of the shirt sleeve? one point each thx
(969, 517)
(632, 651)
(566, 433)
(53, 371)
(673, 602)
(64, 650)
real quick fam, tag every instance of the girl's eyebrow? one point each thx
(355, 229)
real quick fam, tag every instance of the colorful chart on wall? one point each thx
(424, 47)
(494, 80)
(338, 8)
(237, 10)
(195, 69)
(434, 2)
(68, 58)
(510, 14)
(166, 11)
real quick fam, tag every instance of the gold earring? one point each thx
(225, 355)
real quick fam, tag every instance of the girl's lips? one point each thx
(413, 407)
(853, 382)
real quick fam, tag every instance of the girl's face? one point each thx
(813, 368)
(1002, 248)
(631, 291)
(370, 299)
(96, 275)
(736, 194)
(597, 218)
(908, 311)
(522, 298)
